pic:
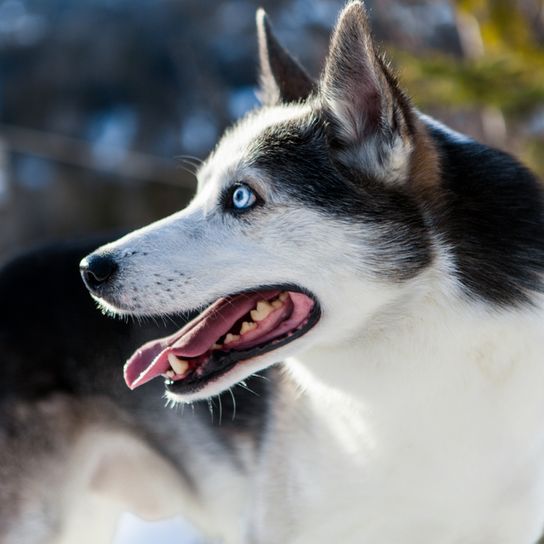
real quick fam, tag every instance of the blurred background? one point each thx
(107, 105)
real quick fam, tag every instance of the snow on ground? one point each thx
(133, 530)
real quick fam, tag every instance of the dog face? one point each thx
(305, 224)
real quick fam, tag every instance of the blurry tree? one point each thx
(499, 72)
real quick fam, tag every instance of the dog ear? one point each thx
(370, 117)
(282, 78)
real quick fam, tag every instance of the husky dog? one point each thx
(393, 265)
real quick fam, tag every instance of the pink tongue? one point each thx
(200, 338)
(195, 339)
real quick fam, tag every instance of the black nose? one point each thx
(96, 270)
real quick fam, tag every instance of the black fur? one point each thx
(491, 213)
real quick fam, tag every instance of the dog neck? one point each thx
(432, 342)
(445, 386)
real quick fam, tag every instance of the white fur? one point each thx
(429, 430)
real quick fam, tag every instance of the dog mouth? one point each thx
(233, 330)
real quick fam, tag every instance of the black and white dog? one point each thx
(396, 268)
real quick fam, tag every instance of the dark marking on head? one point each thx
(297, 158)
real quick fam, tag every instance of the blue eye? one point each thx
(243, 198)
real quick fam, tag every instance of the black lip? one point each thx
(221, 362)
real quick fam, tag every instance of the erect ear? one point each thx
(283, 79)
(370, 116)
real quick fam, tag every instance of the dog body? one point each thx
(409, 408)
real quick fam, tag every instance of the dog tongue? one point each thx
(196, 338)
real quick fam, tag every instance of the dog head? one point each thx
(305, 224)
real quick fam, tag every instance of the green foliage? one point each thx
(508, 72)
(509, 82)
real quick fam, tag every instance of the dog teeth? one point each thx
(170, 374)
(262, 311)
(179, 366)
(231, 338)
(247, 326)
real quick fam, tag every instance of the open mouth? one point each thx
(231, 331)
